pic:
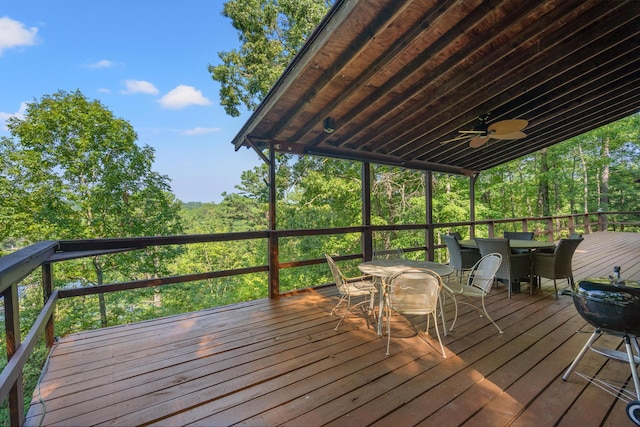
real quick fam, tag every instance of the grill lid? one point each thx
(613, 308)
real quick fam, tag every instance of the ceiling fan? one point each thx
(504, 129)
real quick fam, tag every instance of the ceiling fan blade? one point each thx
(478, 141)
(457, 138)
(505, 127)
(514, 135)
(479, 132)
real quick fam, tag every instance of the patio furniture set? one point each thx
(417, 287)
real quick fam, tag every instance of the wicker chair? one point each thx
(361, 286)
(557, 265)
(519, 235)
(415, 291)
(479, 285)
(513, 266)
(455, 234)
(460, 259)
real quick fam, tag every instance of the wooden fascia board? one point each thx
(339, 12)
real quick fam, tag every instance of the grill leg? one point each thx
(592, 339)
(632, 363)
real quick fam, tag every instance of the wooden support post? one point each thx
(274, 262)
(430, 241)
(12, 333)
(367, 235)
(47, 289)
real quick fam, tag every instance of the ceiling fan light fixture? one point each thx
(329, 125)
(480, 134)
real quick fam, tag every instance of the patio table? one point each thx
(385, 268)
(518, 244)
(514, 244)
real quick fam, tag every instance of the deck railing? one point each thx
(18, 265)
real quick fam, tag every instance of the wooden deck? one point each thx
(281, 362)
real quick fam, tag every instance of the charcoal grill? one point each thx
(611, 307)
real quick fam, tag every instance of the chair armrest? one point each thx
(363, 277)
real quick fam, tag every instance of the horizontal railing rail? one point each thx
(18, 265)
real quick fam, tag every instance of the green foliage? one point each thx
(271, 32)
(71, 170)
(77, 172)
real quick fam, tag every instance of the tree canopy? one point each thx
(271, 32)
(75, 172)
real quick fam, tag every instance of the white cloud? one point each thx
(139, 86)
(183, 96)
(104, 63)
(19, 114)
(200, 131)
(14, 34)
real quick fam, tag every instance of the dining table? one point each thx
(514, 244)
(531, 245)
(384, 269)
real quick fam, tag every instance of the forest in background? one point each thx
(595, 171)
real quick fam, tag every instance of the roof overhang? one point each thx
(399, 77)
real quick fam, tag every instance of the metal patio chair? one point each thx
(481, 279)
(388, 254)
(361, 286)
(415, 291)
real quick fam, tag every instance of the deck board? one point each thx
(280, 362)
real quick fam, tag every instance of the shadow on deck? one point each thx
(272, 362)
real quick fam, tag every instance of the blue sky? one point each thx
(146, 61)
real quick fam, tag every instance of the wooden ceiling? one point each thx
(399, 77)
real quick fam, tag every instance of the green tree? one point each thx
(76, 172)
(271, 32)
(592, 171)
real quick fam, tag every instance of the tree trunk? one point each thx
(604, 194)
(585, 180)
(543, 184)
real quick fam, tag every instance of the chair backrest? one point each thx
(484, 272)
(337, 275)
(455, 258)
(455, 234)
(388, 254)
(518, 235)
(500, 246)
(563, 255)
(415, 291)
